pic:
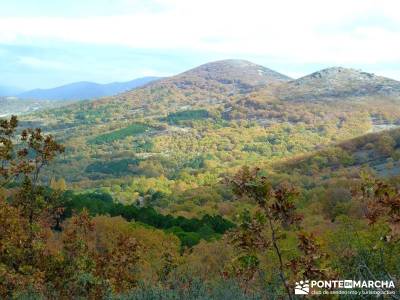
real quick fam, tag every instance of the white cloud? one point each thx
(34, 62)
(289, 30)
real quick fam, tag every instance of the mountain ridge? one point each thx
(226, 80)
(85, 90)
(212, 84)
(338, 82)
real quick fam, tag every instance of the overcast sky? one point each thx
(44, 43)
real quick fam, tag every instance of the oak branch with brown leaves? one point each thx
(25, 155)
(25, 207)
(276, 212)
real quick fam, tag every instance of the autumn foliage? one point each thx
(104, 250)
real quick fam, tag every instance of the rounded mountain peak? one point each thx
(238, 71)
(339, 73)
(339, 82)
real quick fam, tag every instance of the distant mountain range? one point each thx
(85, 90)
(228, 77)
(226, 81)
(39, 99)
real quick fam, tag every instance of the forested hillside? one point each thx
(228, 181)
(179, 135)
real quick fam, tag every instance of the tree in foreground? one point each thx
(27, 210)
(268, 228)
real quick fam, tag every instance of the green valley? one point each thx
(229, 176)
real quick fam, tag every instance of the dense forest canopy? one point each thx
(228, 181)
(179, 135)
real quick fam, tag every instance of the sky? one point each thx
(46, 43)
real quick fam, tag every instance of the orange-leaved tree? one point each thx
(26, 210)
